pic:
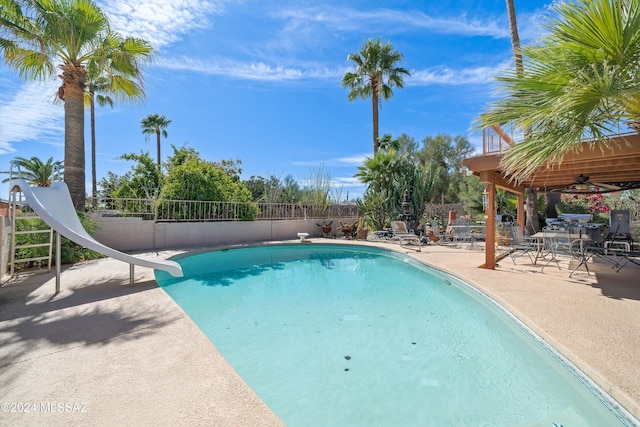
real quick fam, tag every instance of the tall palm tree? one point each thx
(36, 172)
(39, 38)
(115, 75)
(90, 99)
(375, 75)
(581, 81)
(515, 37)
(531, 197)
(155, 124)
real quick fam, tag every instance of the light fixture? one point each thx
(485, 199)
(581, 187)
(466, 171)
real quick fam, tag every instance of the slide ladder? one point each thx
(40, 237)
(54, 206)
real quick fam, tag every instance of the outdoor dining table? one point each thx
(541, 236)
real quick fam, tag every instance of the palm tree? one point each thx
(515, 37)
(117, 76)
(40, 38)
(155, 124)
(531, 202)
(581, 81)
(375, 62)
(90, 98)
(36, 172)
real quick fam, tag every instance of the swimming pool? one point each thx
(344, 335)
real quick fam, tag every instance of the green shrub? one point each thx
(198, 180)
(70, 252)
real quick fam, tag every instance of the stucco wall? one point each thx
(135, 234)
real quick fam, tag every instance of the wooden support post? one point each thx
(489, 178)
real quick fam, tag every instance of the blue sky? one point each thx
(259, 81)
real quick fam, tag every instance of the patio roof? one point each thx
(588, 169)
(617, 167)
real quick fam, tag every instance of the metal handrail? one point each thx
(159, 210)
(13, 163)
(496, 140)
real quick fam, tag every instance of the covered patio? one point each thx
(585, 170)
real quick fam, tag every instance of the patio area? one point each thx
(113, 354)
(584, 170)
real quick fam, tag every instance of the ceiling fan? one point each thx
(583, 185)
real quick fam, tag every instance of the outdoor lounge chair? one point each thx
(403, 235)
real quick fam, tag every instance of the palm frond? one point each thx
(580, 82)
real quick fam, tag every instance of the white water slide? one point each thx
(53, 204)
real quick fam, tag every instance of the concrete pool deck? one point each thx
(104, 353)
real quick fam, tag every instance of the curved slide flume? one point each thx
(53, 204)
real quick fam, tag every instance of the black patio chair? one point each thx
(603, 248)
(632, 256)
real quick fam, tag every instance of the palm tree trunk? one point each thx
(531, 202)
(158, 144)
(515, 38)
(375, 101)
(92, 109)
(74, 175)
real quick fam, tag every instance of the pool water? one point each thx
(329, 335)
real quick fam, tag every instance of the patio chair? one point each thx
(594, 247)
(620, 220)
(463, 233)
(622, 250)
(439, 238)
(522, 245)
(617, 241)
(559, 244)
(400, 231)
(598, 247)
(632, 257)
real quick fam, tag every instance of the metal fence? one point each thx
(203, 211)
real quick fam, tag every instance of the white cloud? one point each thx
(250, 70)
(444, 75)
(476, 141)
(350, 161)
(355, 160)
(530, 26)
(261, 71)
(390, 21)
(349, 181)
(28, 114)
(161, 22)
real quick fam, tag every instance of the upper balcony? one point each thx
(495, 140)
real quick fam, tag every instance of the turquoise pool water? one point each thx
(330, 335)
